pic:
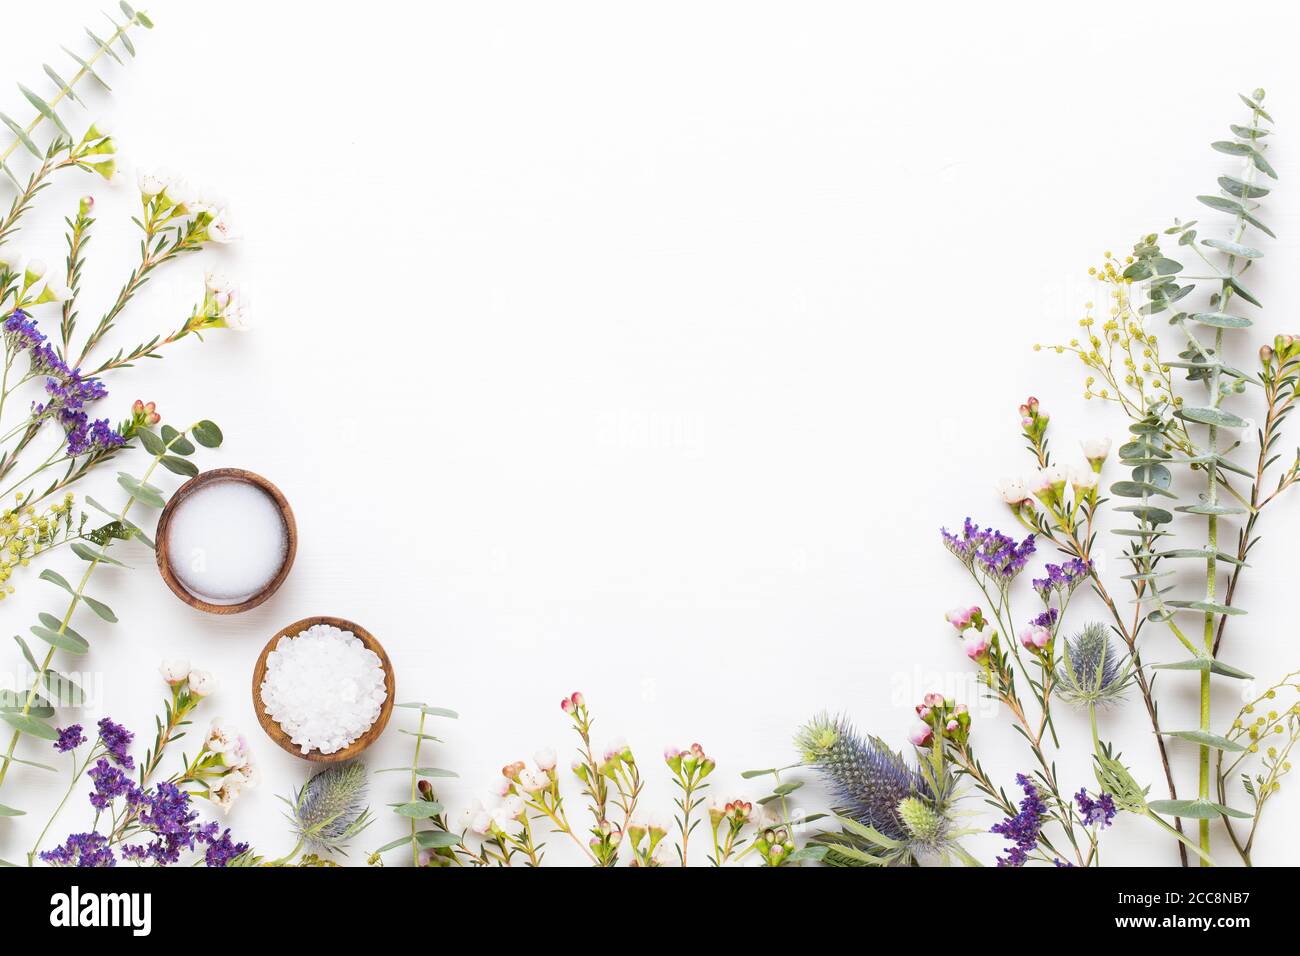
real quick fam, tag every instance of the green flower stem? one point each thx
(77, 772)
(415, 787)
(7, 759)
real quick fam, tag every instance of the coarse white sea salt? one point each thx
(227, 541)
(324, 688)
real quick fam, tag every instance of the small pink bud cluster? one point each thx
(691, 764)
(940, 715)
(1033, 421)
(977, 644)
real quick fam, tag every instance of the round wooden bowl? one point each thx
(187, 489)
(279, 736)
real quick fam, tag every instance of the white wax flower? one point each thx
(545, 759)
(1095, 448)
(151, 184)
(174, 671)
(1013, 490)
(202, 683)
(222, 229)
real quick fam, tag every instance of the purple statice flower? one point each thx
(70, 738)
(1099, 812)
(68, 391)
(116, 739)
(222, 850)
(1062, 578)
(20, 332)
(110, 783)
(86, 437)
(165, 812)
(1047, 619)
(81, 849)
(1022, 829)
(992, 552)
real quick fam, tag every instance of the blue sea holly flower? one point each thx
(1093, 669)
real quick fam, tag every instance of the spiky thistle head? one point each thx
(329, 810)
(867, 779)
(1093, 669)
(890, 811)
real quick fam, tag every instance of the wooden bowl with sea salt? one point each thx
(237, 539)
(276, 732)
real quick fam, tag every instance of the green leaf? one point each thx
(126, 8)
(151, 442)
(1262, 164)
(1218, 510)
(179, 466)
(436, 839)
(419, 736)
(27, 724)
(1148, 513)
(404, 841)
(176, 442)
(751, 774)
(10, 812)
(27, 653)
(72, 643)
(1232, 149)
(145, 22)
(100, 608)
(1205, 664)
(45, 110)
(431, 711)
(90, 554)
(1205, 739)
(420, 771)
(207, 434)
(23, 138)
(54, 577)
(1240, 189)
(106, 48)
(1221, 320)
(420, 809)
(90, 71)
(1137, 489)
(1223, 204)
(1196, 809)
(783, 789)
(1211, 416)
(1241, 291)
(17, 700)
(141, 491)
(59, 82)
(64, 689)
(1233, 248)
(1205, 607)
(869, 833)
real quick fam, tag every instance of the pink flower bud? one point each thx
(977, 647)
(1035, 638)
(921, 735)
(933, 699)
